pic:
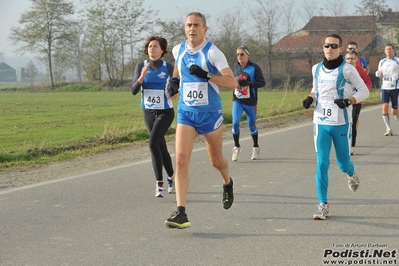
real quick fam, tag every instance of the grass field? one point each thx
(46, 126)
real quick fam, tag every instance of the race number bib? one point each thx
(243, 93)
(153, 99)
(326, 113)
(388, 82)
(195, 93)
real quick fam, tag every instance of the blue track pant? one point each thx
(324, 136)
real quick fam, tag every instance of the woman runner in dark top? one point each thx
(151, 78)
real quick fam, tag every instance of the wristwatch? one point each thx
(209, 76)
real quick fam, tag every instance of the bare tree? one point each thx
(373, 8)
(289, 18)
(61, 64)
(171, 30)
(267, 16)
(231, 33)
(115, 28)
(309, 9)
(289, 21)
(391, 33)
(31, 71)
(337, 8)
(73, 49)
(42, 27)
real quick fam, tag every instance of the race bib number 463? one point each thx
(153, 99)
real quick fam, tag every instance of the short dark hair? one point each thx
(352, 52)
(390, 45)
(352, 43)
(334, 35)
(163, 43)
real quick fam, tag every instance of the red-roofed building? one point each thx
(299, 51)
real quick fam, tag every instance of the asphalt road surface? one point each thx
(111, 217)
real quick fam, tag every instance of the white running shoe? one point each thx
(396, 117)
(159, 192)
(236, 153)
(353, 151)
(255, 153)
(353, 182)
(171, 185)
(322, 212)
(388, 132)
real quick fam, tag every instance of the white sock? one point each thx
(385, 117)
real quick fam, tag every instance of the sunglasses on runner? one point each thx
(332, 45)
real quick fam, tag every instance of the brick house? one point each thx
(298, 52)
(7, 73)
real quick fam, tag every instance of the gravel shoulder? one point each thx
(40, 173)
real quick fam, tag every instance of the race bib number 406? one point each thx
(195, 93)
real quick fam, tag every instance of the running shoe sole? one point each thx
(173, 225)
(178, 221)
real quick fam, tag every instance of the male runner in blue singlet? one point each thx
(200, 68)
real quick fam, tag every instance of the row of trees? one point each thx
(104, 40)
(97, 42)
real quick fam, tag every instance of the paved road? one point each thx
(111, 217)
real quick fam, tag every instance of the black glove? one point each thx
(173, 86)
(244, 80)
(342, 103)
(198, 71)
(307, 102)
(244, 83)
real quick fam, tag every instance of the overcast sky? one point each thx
(11, 10)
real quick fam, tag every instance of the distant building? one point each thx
(299, 51)
(7, 73)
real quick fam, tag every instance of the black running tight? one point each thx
(157, 123)
(355, 116)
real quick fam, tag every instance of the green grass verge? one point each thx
(44, 126)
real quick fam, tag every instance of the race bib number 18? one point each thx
(327, 113)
